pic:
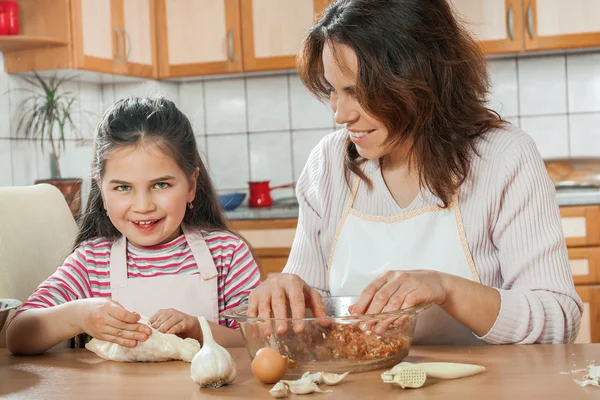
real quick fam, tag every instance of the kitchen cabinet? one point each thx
(272, 31)
(512, 26)
(198, 37)
(497, 24)
(270, 239)
(581, 227)
(106, 36)
(559, 24)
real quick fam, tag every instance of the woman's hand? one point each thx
(395, 290)
(107, 320)
(177, 323)
(270, 300)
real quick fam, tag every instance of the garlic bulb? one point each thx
(212, 366)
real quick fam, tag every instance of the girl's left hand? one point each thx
(395, 290)
(177, 323)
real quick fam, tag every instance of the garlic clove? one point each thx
(333, 379)
(212, 366)
(280, 390)
(304, 386)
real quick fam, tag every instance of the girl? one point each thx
(426, 196)
(153, 242)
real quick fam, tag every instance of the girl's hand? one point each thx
(177, 323)
(107, 320)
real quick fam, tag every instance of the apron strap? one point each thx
(118, 263)
(201, 252)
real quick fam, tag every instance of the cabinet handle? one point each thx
(530, 20)
(230, 45)
(117, 31)
(510, 23)
(126, 45)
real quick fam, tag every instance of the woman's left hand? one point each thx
(177, 323)
(395, 290)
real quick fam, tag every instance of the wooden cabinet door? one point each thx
(561, 24)
(139, 44)
(96, 35)
(272, 31)
(590, 321)
(198, 37)
(581, 225)
(497, 24)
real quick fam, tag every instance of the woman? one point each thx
(426, 196)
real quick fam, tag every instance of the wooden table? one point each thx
(514, 372)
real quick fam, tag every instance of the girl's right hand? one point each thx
(107, 320)
(270, 300)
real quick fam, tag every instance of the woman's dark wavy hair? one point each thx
(138, 122)
(419, 72)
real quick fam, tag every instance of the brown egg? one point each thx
(268, 365)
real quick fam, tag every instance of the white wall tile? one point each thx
(228, 160)
(108, 96)
(24, 162)
(4, 106)
(16, 96)
(542, 85)
(268, 103)
(585, 135)
(91, 108)
(303, 143)
(191, 103)
(504, 97)
(76, 160)
(43, 160)
(5, 163)
(269, 165)
(307, 111)
(71, 91)
(516, 121)
(225, 102)
(583, 71)
(550, 134)
(169, 90)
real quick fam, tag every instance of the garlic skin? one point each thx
(212, 366)
(280, 390)
(304, 386)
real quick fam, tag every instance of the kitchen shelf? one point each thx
(20, 42)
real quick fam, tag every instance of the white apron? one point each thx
(195, 295)
(430, 238)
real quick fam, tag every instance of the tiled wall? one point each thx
(263, 127)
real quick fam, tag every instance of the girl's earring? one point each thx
(190, 205)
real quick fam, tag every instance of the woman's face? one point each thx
(366, 132)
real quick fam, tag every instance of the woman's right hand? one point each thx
(107, 320)
(270, 299)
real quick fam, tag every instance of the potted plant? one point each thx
(45, 113)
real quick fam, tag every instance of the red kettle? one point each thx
(260, 193)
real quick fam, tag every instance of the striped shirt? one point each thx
(86, 272)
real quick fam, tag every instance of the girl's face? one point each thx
(367, 133)
(146, 194)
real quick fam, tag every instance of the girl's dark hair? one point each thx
(140, 121)
(419, 72)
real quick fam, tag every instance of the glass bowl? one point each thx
(337, 343)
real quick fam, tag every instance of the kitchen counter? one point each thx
(563, 197)
(578, 197)
(244, 212)
(513, 372)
